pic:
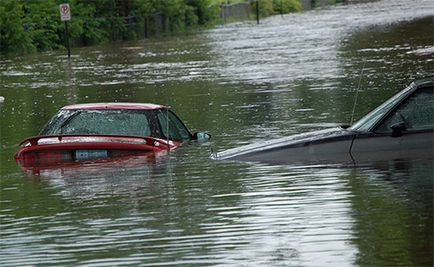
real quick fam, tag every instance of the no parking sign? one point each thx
(65, 12)
(65, 15)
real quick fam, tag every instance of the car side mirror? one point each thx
(398, 129)
(201, 136)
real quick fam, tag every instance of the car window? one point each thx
(368, 121)
(116, 122)
(172, 127)
(53, 126)
(416, 112)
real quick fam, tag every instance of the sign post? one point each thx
(257, 11)
(65, 15)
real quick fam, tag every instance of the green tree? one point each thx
(86, 25)
(286, 6)
(42, 23)
(13, 37)
(29, 25)
(265, 7)
(204, 11)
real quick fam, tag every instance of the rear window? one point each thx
(116, 122)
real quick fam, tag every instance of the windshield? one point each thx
(368, 122)
(116, 122)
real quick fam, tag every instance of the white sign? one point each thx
(65, 12)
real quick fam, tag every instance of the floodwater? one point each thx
(243, 83)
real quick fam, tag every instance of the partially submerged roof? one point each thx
(424, 82)
(130, 106)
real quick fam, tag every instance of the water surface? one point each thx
(241, 82)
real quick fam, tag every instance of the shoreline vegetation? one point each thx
(28, 26)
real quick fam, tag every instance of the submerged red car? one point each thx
(105, 130)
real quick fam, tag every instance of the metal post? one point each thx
(223, 12)
(257, 11)
(146, 27)
(67, 39)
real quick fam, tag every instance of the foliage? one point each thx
(271, 7)
(318, 3)
(86, 26)
(42, 24)
(265, 8)
(204, 10)
(13, 37)
(286, 6)
(29, 25)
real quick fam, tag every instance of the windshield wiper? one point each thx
(68, 120)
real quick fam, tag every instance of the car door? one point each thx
(405, 133)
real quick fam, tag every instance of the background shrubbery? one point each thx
(28, 25)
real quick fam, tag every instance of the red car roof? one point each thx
(133, 106)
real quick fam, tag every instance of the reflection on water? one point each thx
(242, 83)
(392, 205)
(171, 213)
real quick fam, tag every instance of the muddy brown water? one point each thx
(243, 83)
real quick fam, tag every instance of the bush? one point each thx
(271, 7)
(29, 25)
(286, 6)
(42, 23)
(13, 37)
(85, 26)
(204, 11)
(265, 7)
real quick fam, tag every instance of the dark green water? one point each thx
(243, 83)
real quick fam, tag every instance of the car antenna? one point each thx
(357, 93)
(167, 132)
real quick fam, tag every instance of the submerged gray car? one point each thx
(400, 128)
